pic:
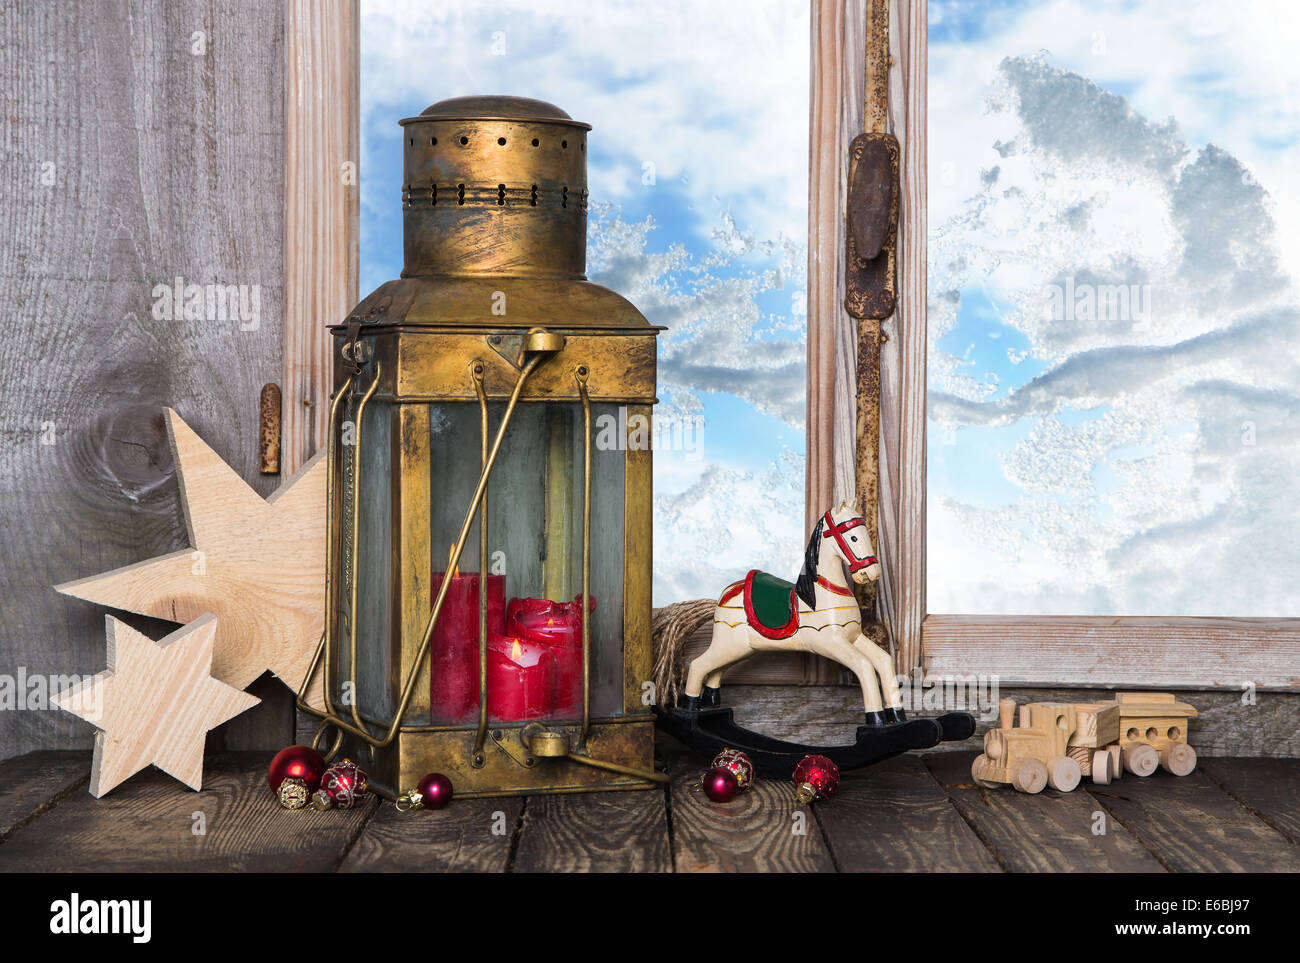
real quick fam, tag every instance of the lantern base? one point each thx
(504, 769)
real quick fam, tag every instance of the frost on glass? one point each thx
(698, 172)
(1114, 349)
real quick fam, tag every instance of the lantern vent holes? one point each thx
(533, 199)
(564, 197)
(564, 144)
(433, 141)
(433, 195)
(464, 141)
(460, 194)
(536, 142)
(501, 195)
(501, 142)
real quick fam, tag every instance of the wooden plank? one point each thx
(321, 208)
(895, 818)
(830, 715)
(145, 143)
(1193, 826)
(1270, 788)
(469, 836)
(755, 832)
(1047, 832)
(37, 781)
(836, 97)
(1136, 651)
(596, 832)
(903, 356)
(149, 824)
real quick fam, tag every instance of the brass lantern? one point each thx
(490, 471)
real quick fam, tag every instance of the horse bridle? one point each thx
(830, 529)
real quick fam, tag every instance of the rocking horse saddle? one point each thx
(771, 603)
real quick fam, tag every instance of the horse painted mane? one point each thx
(806, 584)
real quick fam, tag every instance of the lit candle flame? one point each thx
(516, 652)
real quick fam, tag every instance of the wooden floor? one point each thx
(914, 813)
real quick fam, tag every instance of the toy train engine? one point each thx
(1058, 743)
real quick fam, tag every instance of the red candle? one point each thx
(521, 680)
(454, 647)
(559, 626)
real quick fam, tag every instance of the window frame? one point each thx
(848, 451)
(1195, 652)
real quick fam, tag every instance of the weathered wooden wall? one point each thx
(142, 141)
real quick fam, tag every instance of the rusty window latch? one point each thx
(871, 221)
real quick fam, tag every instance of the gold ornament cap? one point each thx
(293, 793)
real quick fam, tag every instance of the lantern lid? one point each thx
(497, 303)
(494, 108)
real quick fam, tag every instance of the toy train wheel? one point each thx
(1178, 758)
(977, 767)
(1141, 759)
(1063, 774)
(1102, 774)
(1116, 760)
(1029, 775)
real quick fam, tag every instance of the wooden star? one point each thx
(258, 565)
(154, 704)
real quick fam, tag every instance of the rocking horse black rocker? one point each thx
(817, 613)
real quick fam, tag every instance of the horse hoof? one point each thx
(710, 697)
(688, 702)
(894, 716)
(876, 719)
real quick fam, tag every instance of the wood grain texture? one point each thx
(835, 118)
(1193, 826)
(321, 208)
(37, 781)
(1047, 832)
(596, 832)
(753, 833)
(134, 161)
(1145, 652)
(149, 825)
(1270, 788)
(154, 704)
(903, 356)
(257, 564)
(829, 715)
(459, 839)
(895, 818)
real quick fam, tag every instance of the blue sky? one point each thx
(714, 248)
(1142, 461)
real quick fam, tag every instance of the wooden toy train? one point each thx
(1058, 743)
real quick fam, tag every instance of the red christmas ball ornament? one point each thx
(342, 787)
(294, 774)
(738, 764)
(432, 792)
(817, 778)
(720, 785)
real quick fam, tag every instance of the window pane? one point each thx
(699, 215)
(1114, 342)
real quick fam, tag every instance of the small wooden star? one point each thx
(154, 704)
(257, 564)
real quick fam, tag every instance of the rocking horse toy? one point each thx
(816, 613)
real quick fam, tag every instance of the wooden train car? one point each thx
(1058, 743)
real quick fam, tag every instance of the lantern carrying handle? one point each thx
(539, 343)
